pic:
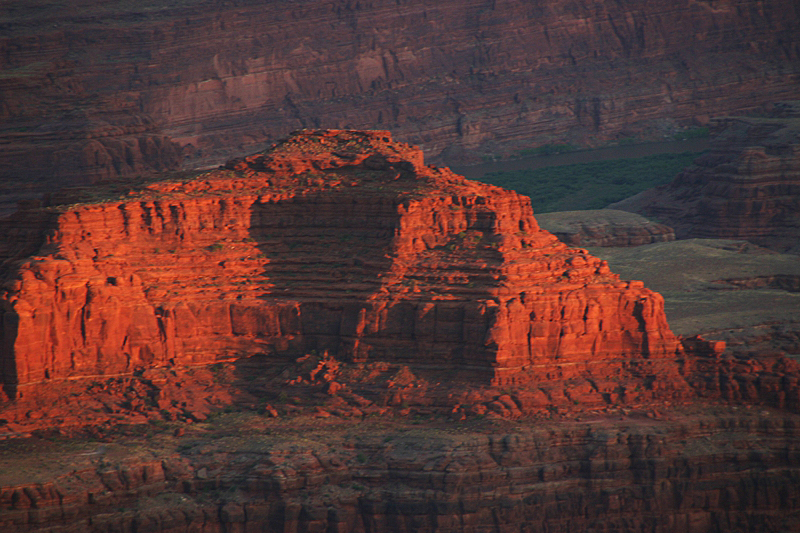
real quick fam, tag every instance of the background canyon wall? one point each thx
(96, 90)
(746, 187)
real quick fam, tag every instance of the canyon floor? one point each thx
(723, 289)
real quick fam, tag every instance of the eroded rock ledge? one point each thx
(604, 227)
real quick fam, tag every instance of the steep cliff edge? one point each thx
(332, 241)
(93, 90)
(747, 187)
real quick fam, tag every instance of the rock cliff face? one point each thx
(729, 472)
(747, 187)
(100, 89)
(332, 241)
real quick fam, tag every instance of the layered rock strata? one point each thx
(333, 241)
(98, 90)
(747, 187)
(729, 472)
(604, 227)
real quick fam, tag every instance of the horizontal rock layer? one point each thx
(732, 472)
(332, 241)
(99, 91)
(604, 227)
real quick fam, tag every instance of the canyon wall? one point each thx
(730, 472)
(331, 241)
(746, 187)
(98, 90)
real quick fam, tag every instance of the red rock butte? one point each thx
(338, 241)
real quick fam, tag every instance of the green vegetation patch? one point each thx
(591, 185)
(692, 133)
(549, 149)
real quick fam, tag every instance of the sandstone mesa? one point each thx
(333, 241)
(442, 364)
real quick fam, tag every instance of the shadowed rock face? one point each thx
(746, 187)
(338, 241)
(94, 90)
(733, 471)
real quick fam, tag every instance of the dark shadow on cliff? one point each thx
(9, 323)
(324, 258)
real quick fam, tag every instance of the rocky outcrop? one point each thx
(90, 92)
(331, 241)
(766, 379)
(604, 227)
(746, 187)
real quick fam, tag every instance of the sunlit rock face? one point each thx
(92, 92)
(338, 241)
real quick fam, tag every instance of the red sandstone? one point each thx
(331, 241)
(418, 290)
